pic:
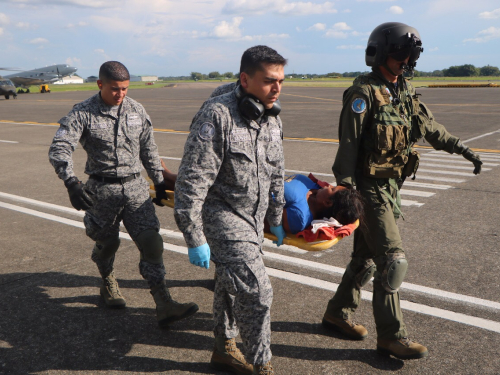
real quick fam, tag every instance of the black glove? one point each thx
(160, 194)
(474, 158)
(470, 155)
(79, 195)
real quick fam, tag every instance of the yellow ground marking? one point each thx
(305, 139)
(313, 97)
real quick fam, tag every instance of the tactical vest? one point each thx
(388, 137)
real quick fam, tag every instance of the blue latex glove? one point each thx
(279, 232)
(200, 256)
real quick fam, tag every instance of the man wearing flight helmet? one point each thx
(381, 119)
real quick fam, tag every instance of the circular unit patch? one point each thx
(207, 131)
(358, 105)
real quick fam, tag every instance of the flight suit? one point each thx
(231, 179)
(118, 142)
(379, 123)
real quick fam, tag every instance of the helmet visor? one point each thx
(411, 48)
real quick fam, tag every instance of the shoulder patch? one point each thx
(358, 105)
(207, 131)
(61, 132)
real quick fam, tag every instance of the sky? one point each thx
(177, 37)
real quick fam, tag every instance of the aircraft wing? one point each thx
(26, 81)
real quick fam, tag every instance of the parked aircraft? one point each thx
(40, 76)
(7, 88)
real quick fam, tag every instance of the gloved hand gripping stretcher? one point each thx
(296, 240)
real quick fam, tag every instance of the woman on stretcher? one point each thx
(309, 199)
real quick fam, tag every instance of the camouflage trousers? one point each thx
(113, 203)
(242, 300)
(379, 237)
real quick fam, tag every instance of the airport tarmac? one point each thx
(53, 322)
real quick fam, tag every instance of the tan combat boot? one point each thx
(227, 357)
(402, 348)
(348, 328)
(111, 292)
(167, 310)
(266, 369)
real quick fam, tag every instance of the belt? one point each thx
(115, 180)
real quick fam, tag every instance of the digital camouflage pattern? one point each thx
(230, 177)
(242, 300)
(92, 123)
(376, 135)
(117, 145)
(224, 89)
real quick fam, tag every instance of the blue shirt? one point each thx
(297, 209)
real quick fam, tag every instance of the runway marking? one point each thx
(480, 136)
(3, 141)
(303, 263)
(416, 193)
(291, 139)
(312, 97)
(309, 281)
(420, 170)
(470, 167)
(455, 161)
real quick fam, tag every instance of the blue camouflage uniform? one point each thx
(119, 142)
(231, 179)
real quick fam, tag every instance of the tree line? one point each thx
(467, 70)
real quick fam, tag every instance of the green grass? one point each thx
(290, 82)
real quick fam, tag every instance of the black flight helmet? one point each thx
(396, 40)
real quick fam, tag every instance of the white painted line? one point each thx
(305, 280)
(314, 173)
(440, 171)
(410, 182)
(463, 162)
(55, 207)
(470, 167)
(305, 141)
(480, 136)
(437, 178)
(416, 193)
(3, 141)
(405, 202)
(486, 156)
(407, 305)
(169, 158)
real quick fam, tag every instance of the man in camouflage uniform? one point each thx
(382, 117)
(117, 134)
(230, 180)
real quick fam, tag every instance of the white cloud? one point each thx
(395, 10)
(374, 1)
(317, 27)
(1, 31)
(338, 31)
(73, 25)
(99, 50)
(434, 49)
(102, 4)
(73, 61)
(225, 30)
(485, 35)
(38, 41)
(282, 7)
(351, 46)
(490, 15)
(4, 19)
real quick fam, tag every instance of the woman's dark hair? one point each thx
(348, 206)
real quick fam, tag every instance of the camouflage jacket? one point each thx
(116, 147)
(231, 175)
(375, 129)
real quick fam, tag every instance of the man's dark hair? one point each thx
(254, 57)
(348, 206)
(113, 71)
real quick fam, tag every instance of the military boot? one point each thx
(402, 348)
(110, 292)
(348, 328)
(167, 310)
(266, 369)
(227, 357)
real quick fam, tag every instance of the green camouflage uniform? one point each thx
(376, 135)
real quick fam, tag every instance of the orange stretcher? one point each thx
(290, 239)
